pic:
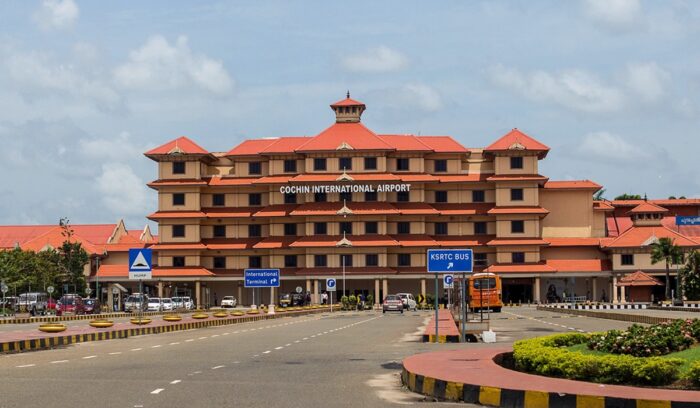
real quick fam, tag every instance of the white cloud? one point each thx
(609, 147)
(647, 80)
(122, 191)
(111, 148)
(618, 14)
(159, 65)
(375, 60)
(574, 89)
(56, 14)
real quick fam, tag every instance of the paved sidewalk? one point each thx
(447, 329)
(471, 375)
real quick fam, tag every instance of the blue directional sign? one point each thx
(448, 281)
(450, 260)
(330, 285)
(687, 220)
(140, 262)
(262, 278)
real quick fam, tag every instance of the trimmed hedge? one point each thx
(548, 356)
(640, 341)
(693, 374)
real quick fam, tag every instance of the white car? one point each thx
(167, 304)
(154, 305)
(228, 301)
(409, 302)
(187, 303)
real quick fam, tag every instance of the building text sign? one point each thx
(346, 188)
(687, 220)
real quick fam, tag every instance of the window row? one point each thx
(344, 164)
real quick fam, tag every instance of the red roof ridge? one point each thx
(572, 184)
(181, 145)
(517, 140)
(647, 207)
(354, 134)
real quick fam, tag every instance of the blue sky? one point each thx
(86, 87)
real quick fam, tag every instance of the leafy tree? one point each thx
(599, 195)
(629, 197)
(666, 251)
(671, 197)
(72, 258)
(691, 276)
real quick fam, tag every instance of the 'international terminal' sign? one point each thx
(346, 188)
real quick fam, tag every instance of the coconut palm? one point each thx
(665, 250)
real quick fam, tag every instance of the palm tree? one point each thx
(665, 250)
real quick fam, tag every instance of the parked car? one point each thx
(51, 305)
(392, 303)
(409, 302)
(166, 304)
(92, 306)
(154, 305)
(135, 302)
(10, 304)
(70, 304)
(229, 301)
(188, 303)
(34, 302)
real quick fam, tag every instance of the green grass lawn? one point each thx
(690, 355)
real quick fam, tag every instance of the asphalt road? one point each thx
(339, 360)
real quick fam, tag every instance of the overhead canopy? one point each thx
(638, 278)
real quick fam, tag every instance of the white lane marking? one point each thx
(305, 338)
(226, 334)
(88, 357)
(267, 352)
(59, 361)
(157, 390)
(26, 365)
(203, 337)
(297, 341)
(218, 367)
(175, 381)
(137, 349)
(156, 346)
(279, 348)
(189, 340)
(236, 362)
(174, 343)
(214, 335)
(288, 344)
(114, 353)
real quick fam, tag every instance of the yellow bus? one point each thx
(485, 292)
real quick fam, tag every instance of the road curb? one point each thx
(49, 319)
(506, 398)
(57, 341)
(623, 317)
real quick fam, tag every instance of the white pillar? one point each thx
(614, 289)
(160, 289)
(623, 298)
(536, 292)
(314, 299)
(377, 300)
(385, 286)
(198, 294)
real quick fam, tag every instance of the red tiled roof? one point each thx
(602, 206)
(356, 135)
(321, 178)
(463, 209)
(443, 144)
(580, 265)
(517, 242)
(358, 208)
(572, 185)
(663, 203)
(521, 268)
(287, 144)
(518, 210)
(638, 278)
(231, 181)
(406, 208)
(517, 140)
(180, 182)
(455, 240)
(179, 246)
(572, 242)
(113, 271)
(641, 235)
(328, 241)
(463, 178)
(647, 207)
(277, 210)
(187, 271)
(416, 177)
(519, 177)
(182, 144)
(414, 240)
(161, 215)
(231, 243)
(275, 242)
(348, 102)
(405, 143)
(231, 212)
(251, 147)
(272, 180)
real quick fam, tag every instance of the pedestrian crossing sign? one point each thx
(140, 261)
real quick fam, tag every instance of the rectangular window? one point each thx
(480, 259)
(290, 166)
(254, 168)
(320, 197)
(178, 167)
(319, 164)
(219, 231)
(372, 260)
(320, 261)
(290, 198)
(516, 194)
(440, 228)
(371, 227)
(516, 162)
(518, 257)
(404, 259)
(517, 227)
(178, 198)
(370, 196)
(255, 261)
(290, 229)
(440, 166)
(218, 200)
(345, 197)
(370, 163)
(627, 259)
(290, 261)
(402, 164)
(345, 227)
(219, 262)
(254, 230)
(178, 261)
(441, 196)
(178, 231)
(254, 199)
(403, 227)
(403, 197)
(320, 228)
(480, 227)
(346, 260)
(478, 196)
(345, 163)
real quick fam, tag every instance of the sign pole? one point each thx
(331, 302)
(462, 306)
(436, 307)
(142, 299)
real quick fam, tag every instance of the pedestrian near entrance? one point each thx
(307, 300)
(324, 298)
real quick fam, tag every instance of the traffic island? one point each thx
(447, 329)
(101, 323)
(52, 327)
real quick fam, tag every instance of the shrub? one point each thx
(352, 300)
(344, 302)
(370, 301)
(693, 374)
(656, 340)
(547, 356)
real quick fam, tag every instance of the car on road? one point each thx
(392, 303)
(135, 302)
(92, 306)
(35, 303)
(167, 304)
(228, 301)
(409, 302)
(154, 305)
(70, 304)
